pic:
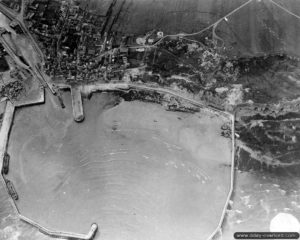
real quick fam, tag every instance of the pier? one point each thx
(77, 104)
(78, 113)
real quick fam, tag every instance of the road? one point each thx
(12, 53)
(18, 17)
(37, 70)
(213, 26)
(38, 74)
(127, 86)
(175, 94)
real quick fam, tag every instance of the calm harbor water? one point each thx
(138, 171)
(133, 169)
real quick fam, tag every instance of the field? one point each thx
(259, 27)
(171, 17)
(262, 28)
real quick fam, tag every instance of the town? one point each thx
(198, 98)
(83, 47)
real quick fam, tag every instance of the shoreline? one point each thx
(85, 90)
(76, 94)
(92, 88)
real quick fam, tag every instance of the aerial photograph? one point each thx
(149, 119)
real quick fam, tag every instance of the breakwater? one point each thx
(91, 88)
(125, 87)
(77, 104)
(59, 234)
(4, 136)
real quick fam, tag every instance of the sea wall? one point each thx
(60, 234)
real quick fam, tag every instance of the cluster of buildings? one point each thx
(13, 4)
(72, 37)
(79, 44)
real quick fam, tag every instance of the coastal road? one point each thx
(175, 94)
(128, 86)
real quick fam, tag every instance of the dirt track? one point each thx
(260, 27)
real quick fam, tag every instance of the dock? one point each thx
(77, 104)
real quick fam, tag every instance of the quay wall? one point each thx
(40, 100)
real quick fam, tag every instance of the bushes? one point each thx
(213, 65)
(11, 90)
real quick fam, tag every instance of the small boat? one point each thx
(5, 165)
(11, 190)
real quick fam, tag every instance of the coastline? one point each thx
(77, 111)
(85, 90)
(92, 88)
